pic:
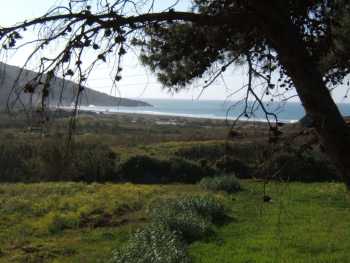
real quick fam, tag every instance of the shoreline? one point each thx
(106, 112)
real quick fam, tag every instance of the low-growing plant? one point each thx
(153, 244)
(190, 217)
(94, 163)
(188, 224)
(229, 164)
(226, 183)
(182, 170)
(59, 222)
(294, 166)
(205, 205)
(143, 169)
(13, 157)
(50, 160)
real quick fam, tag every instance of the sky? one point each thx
(137, 81)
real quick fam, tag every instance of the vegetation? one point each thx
(154, 243)
(72, 222)
(302, 167)
(130, 153)
(145, 170)
(50, 160)
(189, 217)
(302, 223)
(174, 223)
(302, 42)
(226, 183)
(76, 221)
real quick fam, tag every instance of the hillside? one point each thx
(58, 95)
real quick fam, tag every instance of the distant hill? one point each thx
(57, 95)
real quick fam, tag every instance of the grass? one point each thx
(75, 222)
(71, 222)
(303, 223)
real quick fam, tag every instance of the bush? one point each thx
(143, 170)
(185, 171)
(173, 221)
(13, 158)
(246, 152)
(228, 164)
(298, 167)
(153, 244)
(205, 206)
(94, 163)
(226, 183)
(49, 160)
(190, 217)
(147, 170)
(202, 151)
(188, 224)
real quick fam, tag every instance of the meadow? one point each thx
(89, 210)
(77, 222)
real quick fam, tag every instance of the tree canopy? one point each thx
(303, 42)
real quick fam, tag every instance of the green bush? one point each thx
(202, 151)
(13, 158)
(173, 221)
(143, 170)
(229, 164)
(190, 217)
(94, 163)
(226, 183)
(153, 244)
(188, 224)
(246, 152)
(291, 166)
(147, 170)
(206, 206)
(182, 170)
(50, 160)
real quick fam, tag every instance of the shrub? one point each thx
(13, 157)
(206, 206)
(246, 152)
(173, 221)
(202, 151)
(153, 244)
(188, 224)
(143, 170)
(298, 167)
(228, 164)
(226, 183)
(190, 217)
(49, 160)
(94, 163)
(185, 171)
(147, 170)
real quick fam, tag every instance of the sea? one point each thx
(214, 109)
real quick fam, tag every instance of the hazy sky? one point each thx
(137, 81)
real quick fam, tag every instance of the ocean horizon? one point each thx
(213, 109)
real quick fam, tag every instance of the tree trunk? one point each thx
(315, 97)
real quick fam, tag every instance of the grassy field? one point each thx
(72, 222)
(76, 222)
(303, 223)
